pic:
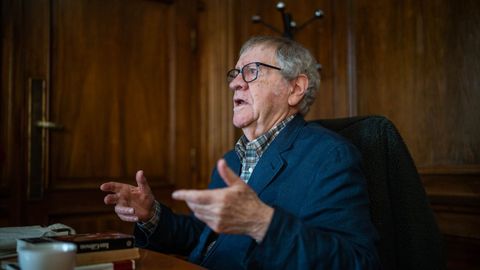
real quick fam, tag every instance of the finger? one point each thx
(111, 199)
(111, 187)
(129, 218)
(142, 181)
(122, 210)
(194, 196)
(228, 176)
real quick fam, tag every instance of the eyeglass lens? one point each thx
(249, 73)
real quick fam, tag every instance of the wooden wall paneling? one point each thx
(109, 92)
(342, 37)
(216, 55)
(184, 131)
(421, 70)
(110, 84)
(417, 62)
(408, 62)
(11, 136)
(35, 39)
(151, 113)
(116, 76)
(455, 198)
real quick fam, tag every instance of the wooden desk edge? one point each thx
(151, 260)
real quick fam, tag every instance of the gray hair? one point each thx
(293, 59)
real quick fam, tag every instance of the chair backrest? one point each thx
(409, 235)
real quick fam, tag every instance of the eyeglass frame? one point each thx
(240, 71)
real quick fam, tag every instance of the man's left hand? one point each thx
(235, 209)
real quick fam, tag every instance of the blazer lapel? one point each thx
(271, 161)
(265, 171)
(233, 162)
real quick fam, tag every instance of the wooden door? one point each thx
(108, 91)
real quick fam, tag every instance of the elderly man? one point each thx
(291, 195)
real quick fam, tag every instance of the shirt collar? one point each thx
(261, 143)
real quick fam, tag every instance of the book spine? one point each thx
(105, 244)
(107, 256)
(119, 265)
(89, 245)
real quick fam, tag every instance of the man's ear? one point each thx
(299, 87)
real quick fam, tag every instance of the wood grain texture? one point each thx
(150, 260)
(183, 101)
(418, 64)
(110, 90)
(216, 30)
(12, 146)
(119, 78)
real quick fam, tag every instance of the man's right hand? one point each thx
(131, 203)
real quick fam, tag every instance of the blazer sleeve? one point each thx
(174, 233)
(333, 229)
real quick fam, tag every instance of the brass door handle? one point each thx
(48, 125)
(38, 129)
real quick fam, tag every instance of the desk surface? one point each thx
(150, 260)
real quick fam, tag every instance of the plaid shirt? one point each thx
(250, 152)
(149, 226)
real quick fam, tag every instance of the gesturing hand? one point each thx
(235, 209)
(131, 203)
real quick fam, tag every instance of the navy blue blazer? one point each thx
(312, 178)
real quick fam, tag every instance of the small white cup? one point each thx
(48, 256)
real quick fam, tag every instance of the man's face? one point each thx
(262, 103)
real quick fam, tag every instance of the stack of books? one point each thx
(96, 251)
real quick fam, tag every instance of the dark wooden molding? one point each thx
(455, 199)
(450, 169)
(167, 2)
(453, 188)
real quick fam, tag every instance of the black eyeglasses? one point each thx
(249, 72)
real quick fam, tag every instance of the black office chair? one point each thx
(409, 235)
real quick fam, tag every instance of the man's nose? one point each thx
(238, 83)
